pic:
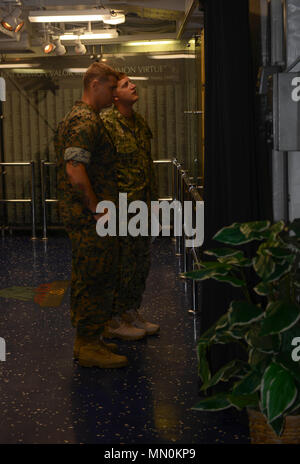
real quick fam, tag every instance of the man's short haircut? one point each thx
(99, 71)
(121, 75)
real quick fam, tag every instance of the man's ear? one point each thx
(94, 84)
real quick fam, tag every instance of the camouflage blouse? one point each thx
(83, 128)
(132, 140)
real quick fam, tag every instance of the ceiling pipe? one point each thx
(191, 5)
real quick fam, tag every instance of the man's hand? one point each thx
(80, 180)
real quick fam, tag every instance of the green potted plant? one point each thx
(268, 383)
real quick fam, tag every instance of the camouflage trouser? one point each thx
(94, 268)
(133, 269)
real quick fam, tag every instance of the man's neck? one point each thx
(125, 110)
(86, 99)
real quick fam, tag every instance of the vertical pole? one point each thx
(2, 167)
(183, 230)
(43, 199)
(195, 288)
(174, 179)
(33, 200)
(178, 181)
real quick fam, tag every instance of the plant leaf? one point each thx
(277, 425)
(214, 403)
(248, 228)
(257, 357)
(216, 266)
(285, 360)
(225, 373)
(279, 270)
(243, 313)
(264, 266)
(209, 335)
(263, 288)
(249, 384)
(278, 252)
(278, 391)
(238, 332)
(231, 235)
(279, 316)
(223, 252)
(229, 280)
(236, 261)
(243, 401)
(267, 344)
(203, 366)
(210, 268)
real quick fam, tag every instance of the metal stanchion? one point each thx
(43, 199)
(178, 182)
(174, 179)
(25, 200)
(182, 199)
(33, 209)
(190, 258)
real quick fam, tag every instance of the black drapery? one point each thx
(235, 184)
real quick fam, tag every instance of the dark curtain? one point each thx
(235, 172)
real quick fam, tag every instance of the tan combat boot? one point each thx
(118, 328)
(135, 319)
(81, 341)
(99, 355)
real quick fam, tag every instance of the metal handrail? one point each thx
(182, 187)
(25, 200)
(44, 199)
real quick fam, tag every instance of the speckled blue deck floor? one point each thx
(47, 398)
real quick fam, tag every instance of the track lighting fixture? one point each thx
(12, 21)
(80, 49)
(114, 18)
(59, 48)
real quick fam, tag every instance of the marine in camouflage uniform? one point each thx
(94, 258)
(136, 177)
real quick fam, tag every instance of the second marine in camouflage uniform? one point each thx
(136, 177)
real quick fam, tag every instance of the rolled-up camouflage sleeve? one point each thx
(77, 154)
(79, 140)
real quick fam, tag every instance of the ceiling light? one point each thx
(20, 24)
(59, 48)
(172, 57)
(16, 65)
(80, 49)
(151, 42)
(116, 18)
(138, 78)
(49, 47)
(77, 70)
(12, 21)
(66, 16)
(105, 34)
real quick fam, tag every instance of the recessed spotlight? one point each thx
(49, 47)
